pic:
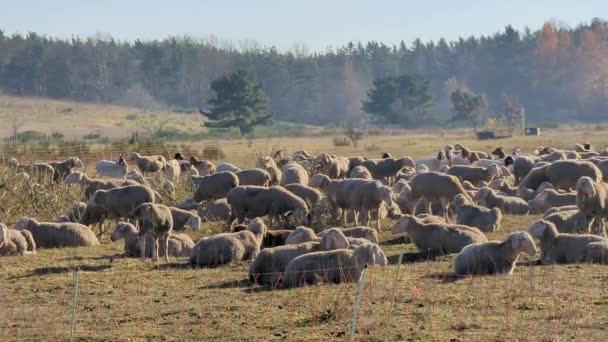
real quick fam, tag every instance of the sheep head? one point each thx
(257, 227)
(371, 253)
(120, 231)
(23, 223)
(586, 187)
(334, 238)
(299, 235)
(543, 229)
(522, 242)
(133, 156)
(76, 162)
(401, 226)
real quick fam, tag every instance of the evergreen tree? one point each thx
(467, 105)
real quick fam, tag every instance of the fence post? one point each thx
(353, 324)
(74, 302)
(390, 311)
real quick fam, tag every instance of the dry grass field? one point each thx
(127, 299)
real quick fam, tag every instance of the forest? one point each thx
(556, 73)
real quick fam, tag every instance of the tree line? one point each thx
(556, 73)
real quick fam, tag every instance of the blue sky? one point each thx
(313, 23)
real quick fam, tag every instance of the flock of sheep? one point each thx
(322, 208)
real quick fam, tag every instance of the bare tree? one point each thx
(352, 133)
(511, 111)
(15, 124)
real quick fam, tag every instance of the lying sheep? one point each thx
(309, 194)
(57, 235)
(437, 238)
(155, 221)
(148, 164)
(597, 252)
(560, 209)
(180, 245)
(360, 172)
(15, 242)
(121, 202)
(112, 169)
(522, 166)
(337, 266)
(494, 257)
(183, 218)
(218, 210)
(474, 174)
(227, 167)
(550, 198)
(561, 248)
(64, 168)
(188, 204)
(563, 174)
(436, 187)
(293, 173)
(268, 266)
(224, 248)
(367, 233)
(572, 221)
(334, 167)
(215, 186)
(276, 202)
(508, 204)
(300, 235)
(253, 177)
(469, 214)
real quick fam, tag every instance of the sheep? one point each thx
(503, 186)
(550, 198)
(41, 171)
(592, 201)
(367, 233)
(508, 204)
(572, 221)
(253, 177)
(300, 235)
(112, 169)
(253, 201)
(183, 218)
(204, 167)
(360, 172)
(180, 245)
(563, 174)
(354, 162)
(494, 257)
(155, 221)
(120, 202)
(469, 214)
(319, 181)
(481, 154)
(215, 186)
(561, 248)
(15, 242)
(91, 185)
(359, 195)
(387, 168)
(64, 168)
(436, 187)
(148, 164)
(173, 170)
(57, 235)
(218, 210)
(293, 173)
(334, 167)
(601, 164)
(268, 266)
(309, 194)
(474, 174)
(437, 238)
(268, 164)
(434, 163)
(224, 248)
(485, 163)
(560, 209)
(337, 266)
(227, 167)
(597, 252)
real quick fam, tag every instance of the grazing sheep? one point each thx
(218, 210)
(469, 214)
(91, 185)
(474, 174)
(309, 194)
(215, 186)
(561, 248)
(120, 202)
(437, 187)
(64, 168)
(592, 201)
(180, 245)
(253, 177)
(156, 221)
(224, 248)
(57, 235)
(227, 167)
(550, 198)
(271, 262)
(572, 221)
(276, 202)
(437, 238)
(293, 173)
(204, 167)
(354, 162)
(563, 174)
(388, 167)
(434, 163)
(494, 257)
(15, 242)
(367, 233)
(268, 164)
(334, 167)
(360, 172)
(112, 169)
(508, 204)
(148, 164)
(336, 266)
(183, 218)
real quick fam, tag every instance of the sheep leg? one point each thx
(155, 248)
(166, 247)
(142, 242)
(428, 206)
(444, 204)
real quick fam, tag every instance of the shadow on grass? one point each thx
(228, 284)
(42, 271)
(401, 240)
(446, 277)
(412, 257)
(528, 263)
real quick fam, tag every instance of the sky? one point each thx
(314, 24)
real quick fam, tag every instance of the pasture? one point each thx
(416, 300)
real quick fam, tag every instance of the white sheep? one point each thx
(180, 245)
(15, 242)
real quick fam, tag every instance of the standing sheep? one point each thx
(156, 221)
(215, 186)
(148, 164)
(57, 235)
(180, 245)
(218, 210)
(294, 173)
(112, 169)
(437, 187)
(309, 194)
(474, 174)
(15, 242)
(204, 167)
(183, 218)
(268, 164)
(253, 177)
(64, 168)
(592, 201)
(121, 202)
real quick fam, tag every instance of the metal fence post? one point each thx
(74, 302)
(353, 324)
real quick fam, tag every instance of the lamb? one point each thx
(15, 242)
(253, 201)
(121, 202)
(550, 198)
(474, 174)
(91, 185)
(337, 266)
(268, 164)
(437, 238)
(224, 248)
(437, 187)
(204, 167)
(112, 169)
(148, 164)
(572, 221)
(218, 210)
(508, 204)
(469, 214)
(64, 168)
(180, 245)
(227, 167)
(561, 248)
(156, 221)
(57, 235)
(271, 262)
(367, 233)
(309, 194)
(183, 218)
(215, 186)
(360, 172)
(253, 177)
(293, 173)
(494, 257)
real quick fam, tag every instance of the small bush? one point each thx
(213, 153)
(341, 141)
(57, 136)
(92, 136)
(29, 136)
